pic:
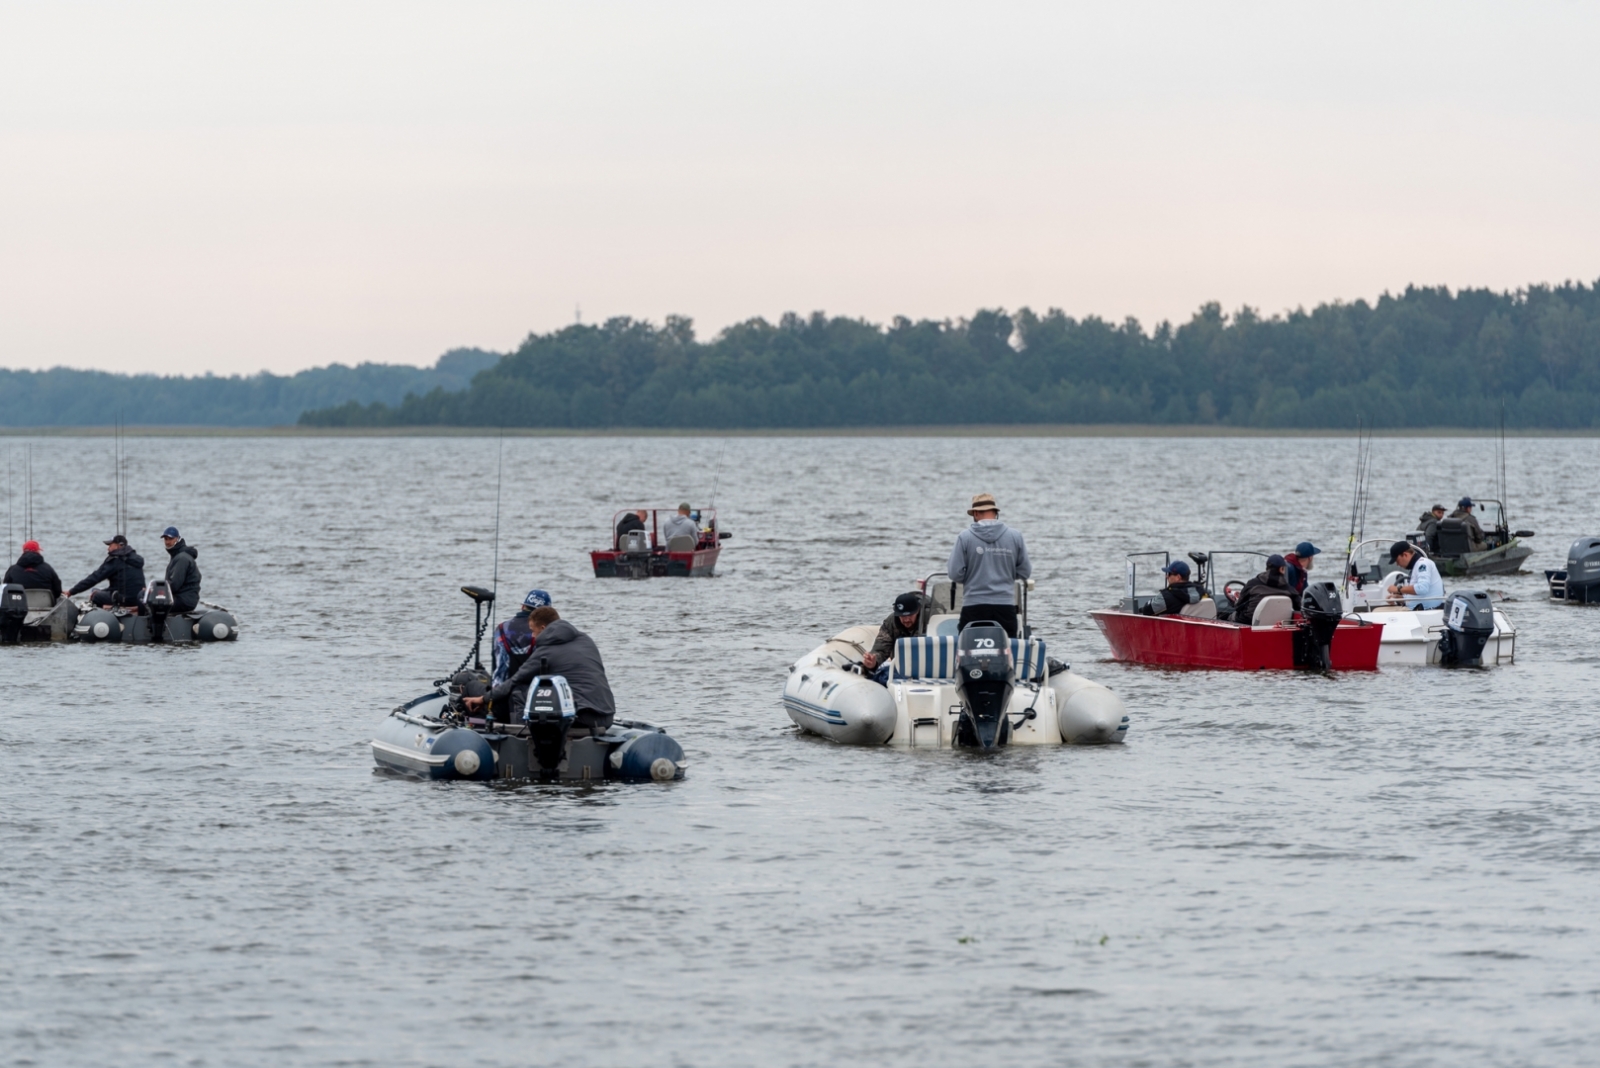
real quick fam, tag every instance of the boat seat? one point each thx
(1028, 655)
(1205, 608)
(40, 601)
(1454, 538)
(1272, 611)
(933, 659)
(682, 543)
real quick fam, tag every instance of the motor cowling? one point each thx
(548, 712)
(984, 667)
(13, 611)
(1320, 611)
(1468, 623)
(1583, 570)
(158, 601)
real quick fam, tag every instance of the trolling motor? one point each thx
(482, 602)
(13, 612)
(1468, 622)
(548, 713)
(983, 668)
(1320, 608)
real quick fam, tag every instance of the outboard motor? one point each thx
(549, 714)
(13, 612)
(1468, 622)
(1320, 608)
(1583, 571)
(157, 598)
(633, 558)
(983, 666)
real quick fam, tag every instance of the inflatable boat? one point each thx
(154, 622)
(1467, 630)
(434, 736)
(976, 688)
(1205, 634)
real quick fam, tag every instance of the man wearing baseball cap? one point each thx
(1270, 583)
(32, 573)
(183, 570)
(513, 639)
(904, 622)
(1178, 594)
(1476, 542)
(122, 572)
(988, 559)
(1297, 563)
(1426, 588)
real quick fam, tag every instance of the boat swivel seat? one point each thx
(1272, 611)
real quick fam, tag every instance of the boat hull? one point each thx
(1411, 639)
(1178, 641)
(1506, 559)
(702, 563)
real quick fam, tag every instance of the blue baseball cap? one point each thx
(1465, 502)
(171, 532)
(1177, 567)
(536, 599)
(1305, 549)
(1276, 561)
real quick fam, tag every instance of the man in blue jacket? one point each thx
(988, 559)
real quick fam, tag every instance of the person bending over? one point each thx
(559, 649)
(904, 622)
(1426, 588)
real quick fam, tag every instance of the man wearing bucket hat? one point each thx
(513, 639)
(988, 559)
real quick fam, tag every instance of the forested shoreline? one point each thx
(1423, 358)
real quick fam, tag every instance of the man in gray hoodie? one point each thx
(988, 559)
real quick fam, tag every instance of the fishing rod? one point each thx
(28, 515)
(499, 479)
(1358, 502)
(717, 482)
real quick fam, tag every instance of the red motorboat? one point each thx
(642, 548)
(1204, 637)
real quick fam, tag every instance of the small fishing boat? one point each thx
(979, 688)
(645, 552)
(1205, 635)
(1468, 630)
(32, 615)
(1449, 543)
(1579, 581)
(153, 622)
(434, 736)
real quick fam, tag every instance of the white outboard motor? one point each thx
(983, 664)
(1468, 622)
(548, 713)
(1321, 608)
(1583, 571)
(13, 612)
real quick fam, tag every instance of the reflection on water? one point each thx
(201, 866)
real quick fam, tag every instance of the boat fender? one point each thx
(470, 754)
(98, 625)
(216, 626)
(653, 756)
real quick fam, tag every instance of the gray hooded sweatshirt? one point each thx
(988, 558)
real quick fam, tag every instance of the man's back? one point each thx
(988, 558)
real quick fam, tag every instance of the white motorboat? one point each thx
(1467, 630)
(977, 688)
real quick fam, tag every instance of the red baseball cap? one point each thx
(30, 546)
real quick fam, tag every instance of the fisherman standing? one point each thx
(183, 572)
(988, 559)
(123, 573)
(32, 573)
(1426, 588)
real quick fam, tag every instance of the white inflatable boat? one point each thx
(1468, 630)
(979, 688)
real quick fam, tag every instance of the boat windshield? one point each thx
(1491, 514)
(1232, 565)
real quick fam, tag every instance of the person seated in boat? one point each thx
(1298, 563)
(1476, 542)
(1428, 526)
(32, 573)
(1178, 594)
(629, 523)
(122, 572)
(1273, 582)
(559, 649)
(513, 639)
(988, 559)
(1426, 588)
(904, 622)
(682, 524)
(183, 571)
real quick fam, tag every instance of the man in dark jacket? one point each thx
(513, 639)
(183, 571)
(32, 573)
(1475, 539)
(1178, 594)
(559, 649)
(904, 622)
(1270, 583)
(1297, 565)
(628, 523)
(123, 573)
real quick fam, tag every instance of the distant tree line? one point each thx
(1427, 357)
(64, 397)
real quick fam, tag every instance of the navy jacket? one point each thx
(123, 571)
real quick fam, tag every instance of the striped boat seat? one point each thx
(932, 659)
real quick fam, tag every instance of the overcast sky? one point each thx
(233, 187)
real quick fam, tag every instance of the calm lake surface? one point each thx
(199, 866)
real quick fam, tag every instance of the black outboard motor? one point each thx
(548, 714)
(13, 612)
(1320, 608)
(1468, 622)
(983, 666)
(633, 559)
(157, 598)
(1583, 571)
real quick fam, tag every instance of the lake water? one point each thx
(199, 866)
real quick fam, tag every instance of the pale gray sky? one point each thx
(236, 187)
